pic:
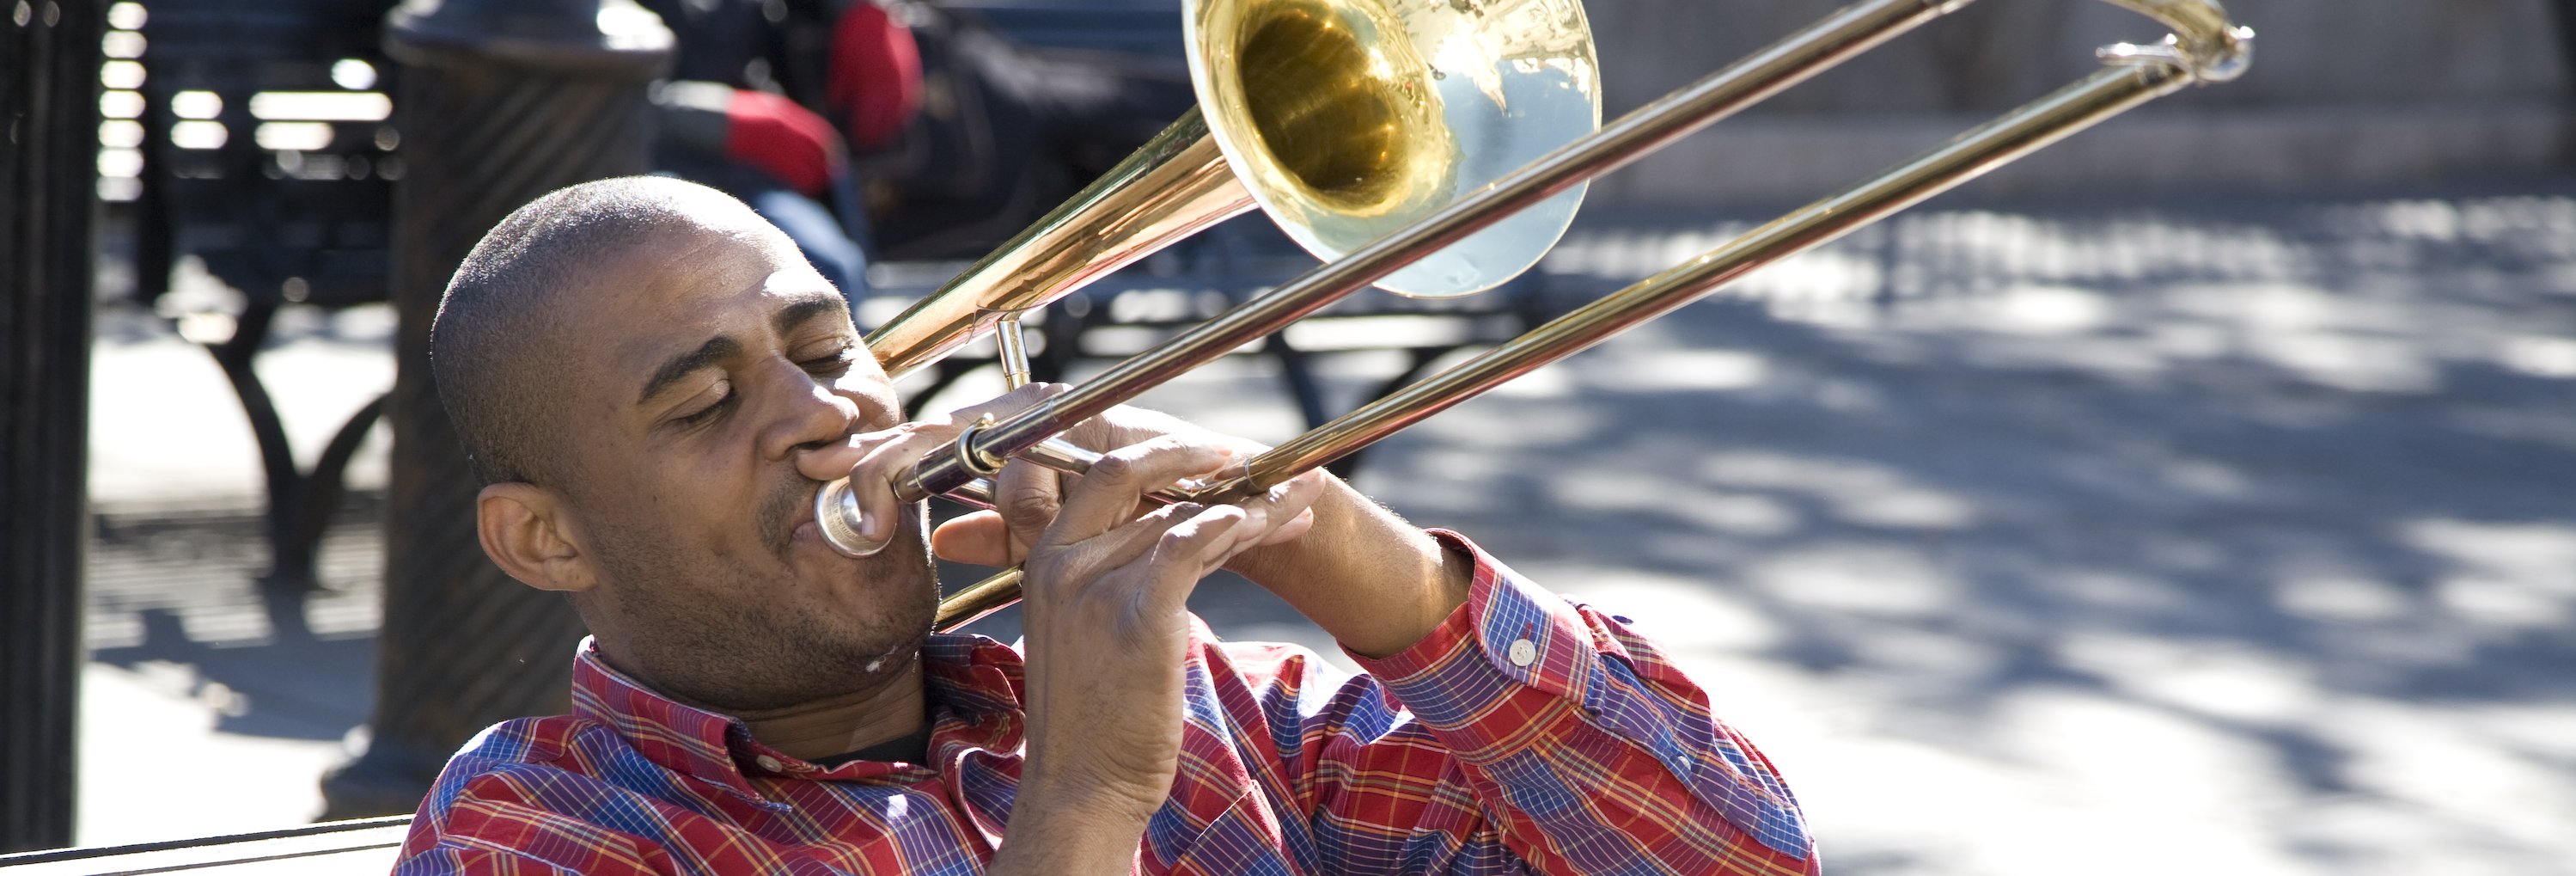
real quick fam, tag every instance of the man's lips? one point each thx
(801, 526)
(787, 514)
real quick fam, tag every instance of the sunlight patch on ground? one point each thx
(2215, 679)
(1855, 491)
(155, 728)
(2517, 576)
(1863, 579)
(1684, 615)
(1658, 493)
(2453, 770)
(1680, 371)
(2343, 598)
(2540, 356)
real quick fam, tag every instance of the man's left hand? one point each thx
(1028, 496)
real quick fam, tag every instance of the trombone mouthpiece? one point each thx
(836, 513)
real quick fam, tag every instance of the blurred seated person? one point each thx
(1007, 131)
(726, 119)
(860, 127)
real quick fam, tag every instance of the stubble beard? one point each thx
(715, 633)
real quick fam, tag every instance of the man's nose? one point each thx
(812, 416)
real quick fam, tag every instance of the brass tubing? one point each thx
(1014, 350)
(1819, 47)
(1173, 186)
(977, 600)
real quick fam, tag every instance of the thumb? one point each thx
(979, 539)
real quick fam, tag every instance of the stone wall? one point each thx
(2343, 93)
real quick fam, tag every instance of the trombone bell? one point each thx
(1344, 119)
(1349, 119)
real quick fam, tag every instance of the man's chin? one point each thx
(893, 576)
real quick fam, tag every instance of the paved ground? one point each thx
(2207, 536)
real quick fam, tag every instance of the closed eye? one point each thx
(839, 360)
(723, 401)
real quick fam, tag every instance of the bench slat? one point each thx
(361, 846)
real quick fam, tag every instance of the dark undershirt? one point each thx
(914, 748)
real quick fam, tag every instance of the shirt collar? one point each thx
(973, 689)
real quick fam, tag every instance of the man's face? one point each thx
(701, 367)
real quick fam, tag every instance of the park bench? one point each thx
(269, 158)
(366, 845)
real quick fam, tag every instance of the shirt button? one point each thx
(767, 763)
(1523, 653)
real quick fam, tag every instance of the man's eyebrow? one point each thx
(682, 365)
(803, 307)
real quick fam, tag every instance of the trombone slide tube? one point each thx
(2026, 130)
(1170, 188)
(2138, 79)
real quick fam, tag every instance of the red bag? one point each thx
(787, 141)
(875, 75)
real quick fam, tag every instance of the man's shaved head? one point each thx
(501, 324)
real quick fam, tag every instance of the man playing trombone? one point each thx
(653, 384)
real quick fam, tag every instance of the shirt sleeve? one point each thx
(1528, 730)
(480, 819)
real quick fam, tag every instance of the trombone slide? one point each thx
(2204, 48)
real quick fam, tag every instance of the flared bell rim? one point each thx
(1495, 50)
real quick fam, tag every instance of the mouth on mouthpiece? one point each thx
(836, 513)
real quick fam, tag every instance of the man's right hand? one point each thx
(1105, 613)
(1107, 623)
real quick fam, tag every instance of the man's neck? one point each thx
(891, 708)
(844, 723)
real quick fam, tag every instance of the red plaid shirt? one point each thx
(1526, 733)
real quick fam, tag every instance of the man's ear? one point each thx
(526, 533)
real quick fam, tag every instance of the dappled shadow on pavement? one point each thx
(2243, 536)
(2209, 537)
(176, 587)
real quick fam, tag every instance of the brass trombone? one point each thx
(2204, 46)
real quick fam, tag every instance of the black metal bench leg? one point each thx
(319, 492)
(300, 503)
(277, 458)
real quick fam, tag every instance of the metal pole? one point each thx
(49, 92)
(503, 101)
